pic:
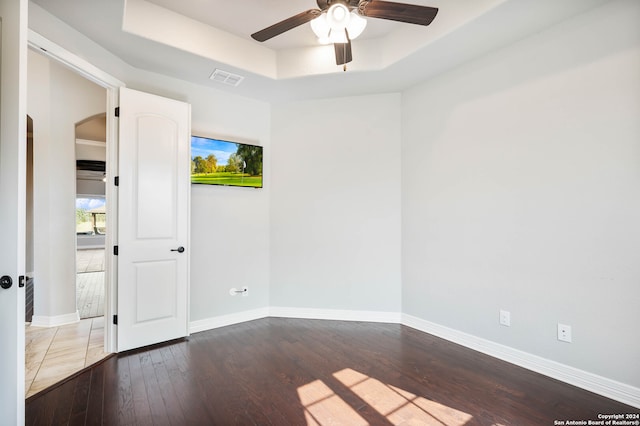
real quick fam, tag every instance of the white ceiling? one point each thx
(188, 39)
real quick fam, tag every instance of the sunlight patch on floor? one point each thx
(398, 406)
(324, 407)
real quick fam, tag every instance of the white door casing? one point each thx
(13, 132)
(153, 219)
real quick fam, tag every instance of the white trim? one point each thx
(55, 321)
(87, 142)
(92, 247)
(583, 379)
(111, 196)
(76, 63)
(225, 320)
(335, 314)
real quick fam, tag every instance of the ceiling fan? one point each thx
(340, 21)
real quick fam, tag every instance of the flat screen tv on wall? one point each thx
(219, 162)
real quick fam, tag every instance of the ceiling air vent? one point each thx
(226, 77)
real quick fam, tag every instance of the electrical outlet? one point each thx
(245, 291)
(564, 333)
(505, 318)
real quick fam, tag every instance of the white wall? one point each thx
(520, 192)
(229, 225)
(335, 219)
(57, 99)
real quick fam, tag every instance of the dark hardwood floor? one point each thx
(279, 371)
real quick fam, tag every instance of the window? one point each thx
(90, 216)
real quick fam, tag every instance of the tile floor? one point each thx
(55, 353)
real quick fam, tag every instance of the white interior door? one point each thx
(153, 219)
(13, 129)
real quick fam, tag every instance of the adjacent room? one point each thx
(433, 221)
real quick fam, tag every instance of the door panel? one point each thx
(156, 177)
(156, 278)
(155, 166)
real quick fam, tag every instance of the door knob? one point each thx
(6, 282)
(179, 249)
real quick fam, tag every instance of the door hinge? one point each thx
(115, 320)
(117, 111)
(115, 250)
(116, 181)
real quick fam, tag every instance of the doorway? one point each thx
(63, 141)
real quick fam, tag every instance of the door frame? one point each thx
(112, 86)
(13, 134)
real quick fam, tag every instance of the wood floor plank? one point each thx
(267, 370)
(118, 404)
(96, 393)
(278, 371)
(139, 391)
(44, 408)
(63, 408)
(172, 405)
(191, 402)
(159, 415)
(80, 400)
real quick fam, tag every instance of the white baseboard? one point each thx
(335, 314)
(225, 320)
(91, 247)
(54, 321)
(592, 382)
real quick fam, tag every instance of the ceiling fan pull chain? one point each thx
(344, 52)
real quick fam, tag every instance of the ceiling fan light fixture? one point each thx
(338, 37)
(321, 28)
(338, 16)
(327, 33)
(356, 26)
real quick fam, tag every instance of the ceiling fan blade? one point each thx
(401, 12)
(286, 25)
(343, 53)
